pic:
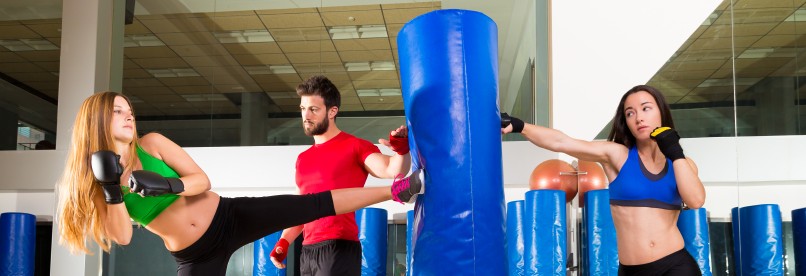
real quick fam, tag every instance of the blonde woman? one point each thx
(170, 194)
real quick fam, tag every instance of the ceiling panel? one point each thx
(47, 30)
(33, 76)
(362, 44)
(253, 48)
(353, 18)
(11, 57)
(319, 68)
(178, 25)
(148, 90)
(350, 107)
(160, 63)
(262, 59)
(235, 23)
(238, 88)
(136, 28)
(189, 38)
(377, 106)
(184, 81)
(149, 82)
(19, 67)
(323, 57)
(371, 55)
(381, 100)
(16, 32)
(193, 89)
(200, 50)
(403, 16)
(136, 73)
(51, 55)
(299, 34)
(369, 84)
(149, 52)
(314, 46)
(292, 20)
(52, 66)
(207, 61)
(374, 75)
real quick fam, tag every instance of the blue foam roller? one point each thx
(544, 249)
(599, 250)
(515, 238)
(693, 225)
(262, 265)
(758, 243)
(372, 228)
(449, 81)
(409, 231)
(17, 244)
(799, 239)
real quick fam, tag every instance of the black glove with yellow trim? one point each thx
(668, 142)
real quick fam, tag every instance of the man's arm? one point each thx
(384, 166)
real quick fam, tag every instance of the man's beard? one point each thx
(317, 129)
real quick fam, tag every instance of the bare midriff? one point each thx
(186, 220)
(645, 234)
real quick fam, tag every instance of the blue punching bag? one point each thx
(599, 253)
(372, 228)
(693, 225)
(799, 239)
(758, 245)
(262, 265)
(515, 238)
(449, 78)
(17, 244)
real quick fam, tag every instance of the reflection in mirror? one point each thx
(213, 74)
(30, 37)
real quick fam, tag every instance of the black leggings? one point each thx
(679, 263)
(239, 221)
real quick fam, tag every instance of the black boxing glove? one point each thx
(148, 183)
(517, 124)
(107, 170)
(668, 142)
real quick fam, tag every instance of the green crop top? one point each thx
(144, 209)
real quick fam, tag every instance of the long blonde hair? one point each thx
(78, 217)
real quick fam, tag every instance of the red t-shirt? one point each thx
(337, 163)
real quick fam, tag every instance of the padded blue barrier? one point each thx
(17, 243)
(372, 228)
(544, 249)
(599, 250)
(693, 224)
(449, 78)
(409, 231)
(799, 239)
(262, 265)
(758, 245)
(515, 238)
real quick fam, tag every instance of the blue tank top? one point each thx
(635, 186)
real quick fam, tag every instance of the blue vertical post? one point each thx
(599, 253)
(449, 78)
(17, 244)
(409, 248)
(515, 238)
(372, 233)
(544, 222)
(693, 225)
(758, 243)
(262, 265)
(799, 239)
